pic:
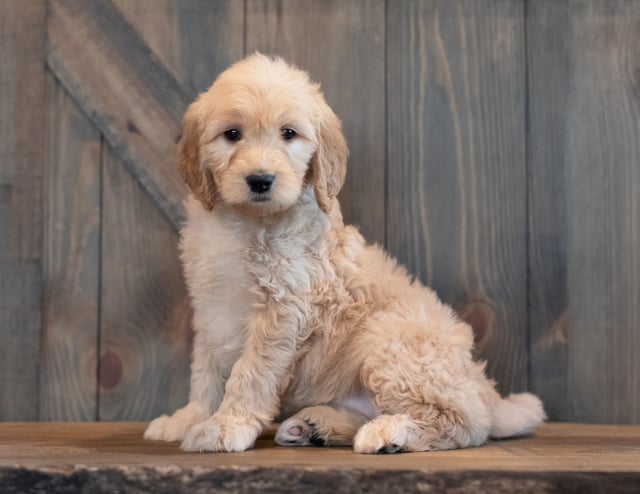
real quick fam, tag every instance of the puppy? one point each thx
(294, 314)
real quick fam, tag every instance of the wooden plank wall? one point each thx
(22, 164)
(456, 157)
(494, 151)
(68, 352)
(584, 170)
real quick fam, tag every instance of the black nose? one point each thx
(260, 183)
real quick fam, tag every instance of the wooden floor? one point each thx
(57, 457)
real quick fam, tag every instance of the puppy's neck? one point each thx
(305, 216)
(304, 219)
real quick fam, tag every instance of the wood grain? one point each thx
(549, 63)
(129, 96)
(456, 176)
(20, 287)
(22, 33)
(23, 139)
(341, 44)
(603, 211)
(561, 448)
(584, 184)
(72, 261)
(145, 337)
(194, 39)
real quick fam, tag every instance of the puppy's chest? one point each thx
(235, 269)
(283, 267)
(220, 289)
(258, 268)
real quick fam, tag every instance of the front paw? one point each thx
(222, 433)
(175, 428)
(161, 429)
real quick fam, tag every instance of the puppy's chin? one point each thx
(236, 195)
(260, 206)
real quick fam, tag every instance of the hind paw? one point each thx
(322, 425)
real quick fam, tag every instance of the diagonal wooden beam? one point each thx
(127, 93)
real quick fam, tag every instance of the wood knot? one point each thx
(110, 372)
(131, 127)
(481, 316)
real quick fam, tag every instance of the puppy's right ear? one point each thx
(199, 180)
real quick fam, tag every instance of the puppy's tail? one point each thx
(516, 415)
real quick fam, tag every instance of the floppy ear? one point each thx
(199, 180)
(329, 162)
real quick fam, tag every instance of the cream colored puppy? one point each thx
(294, 313)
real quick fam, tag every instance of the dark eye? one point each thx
(288, 134)
(232, 134)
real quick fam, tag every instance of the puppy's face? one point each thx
(257, 143)
(258, 136)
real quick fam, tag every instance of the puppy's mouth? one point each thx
(263, 197)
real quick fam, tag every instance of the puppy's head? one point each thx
(258, 137)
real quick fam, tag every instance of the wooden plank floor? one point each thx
(51, 457)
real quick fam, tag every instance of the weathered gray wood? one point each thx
(584, 208)
(133, 99)
(22, 138)
(456, 165)
(194, 39)
(156, 26)
(341, 44)
(22, 32)
(145, 337)
(72, 262)
(20, 286)
(549, 63)
(603, 211)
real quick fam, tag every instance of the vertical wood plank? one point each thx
(341, 44)
(603, 181)
(585, 208)
(549, 61)
(22, 28)
(146, 317)
(456, 165)
(72, 239)
(20, 287)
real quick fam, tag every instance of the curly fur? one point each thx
(294, 313)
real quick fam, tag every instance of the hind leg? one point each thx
(323, 425)
(424, 383)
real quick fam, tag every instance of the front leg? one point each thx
(251, 397)
(205, 395)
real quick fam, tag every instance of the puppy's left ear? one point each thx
(329, 162)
